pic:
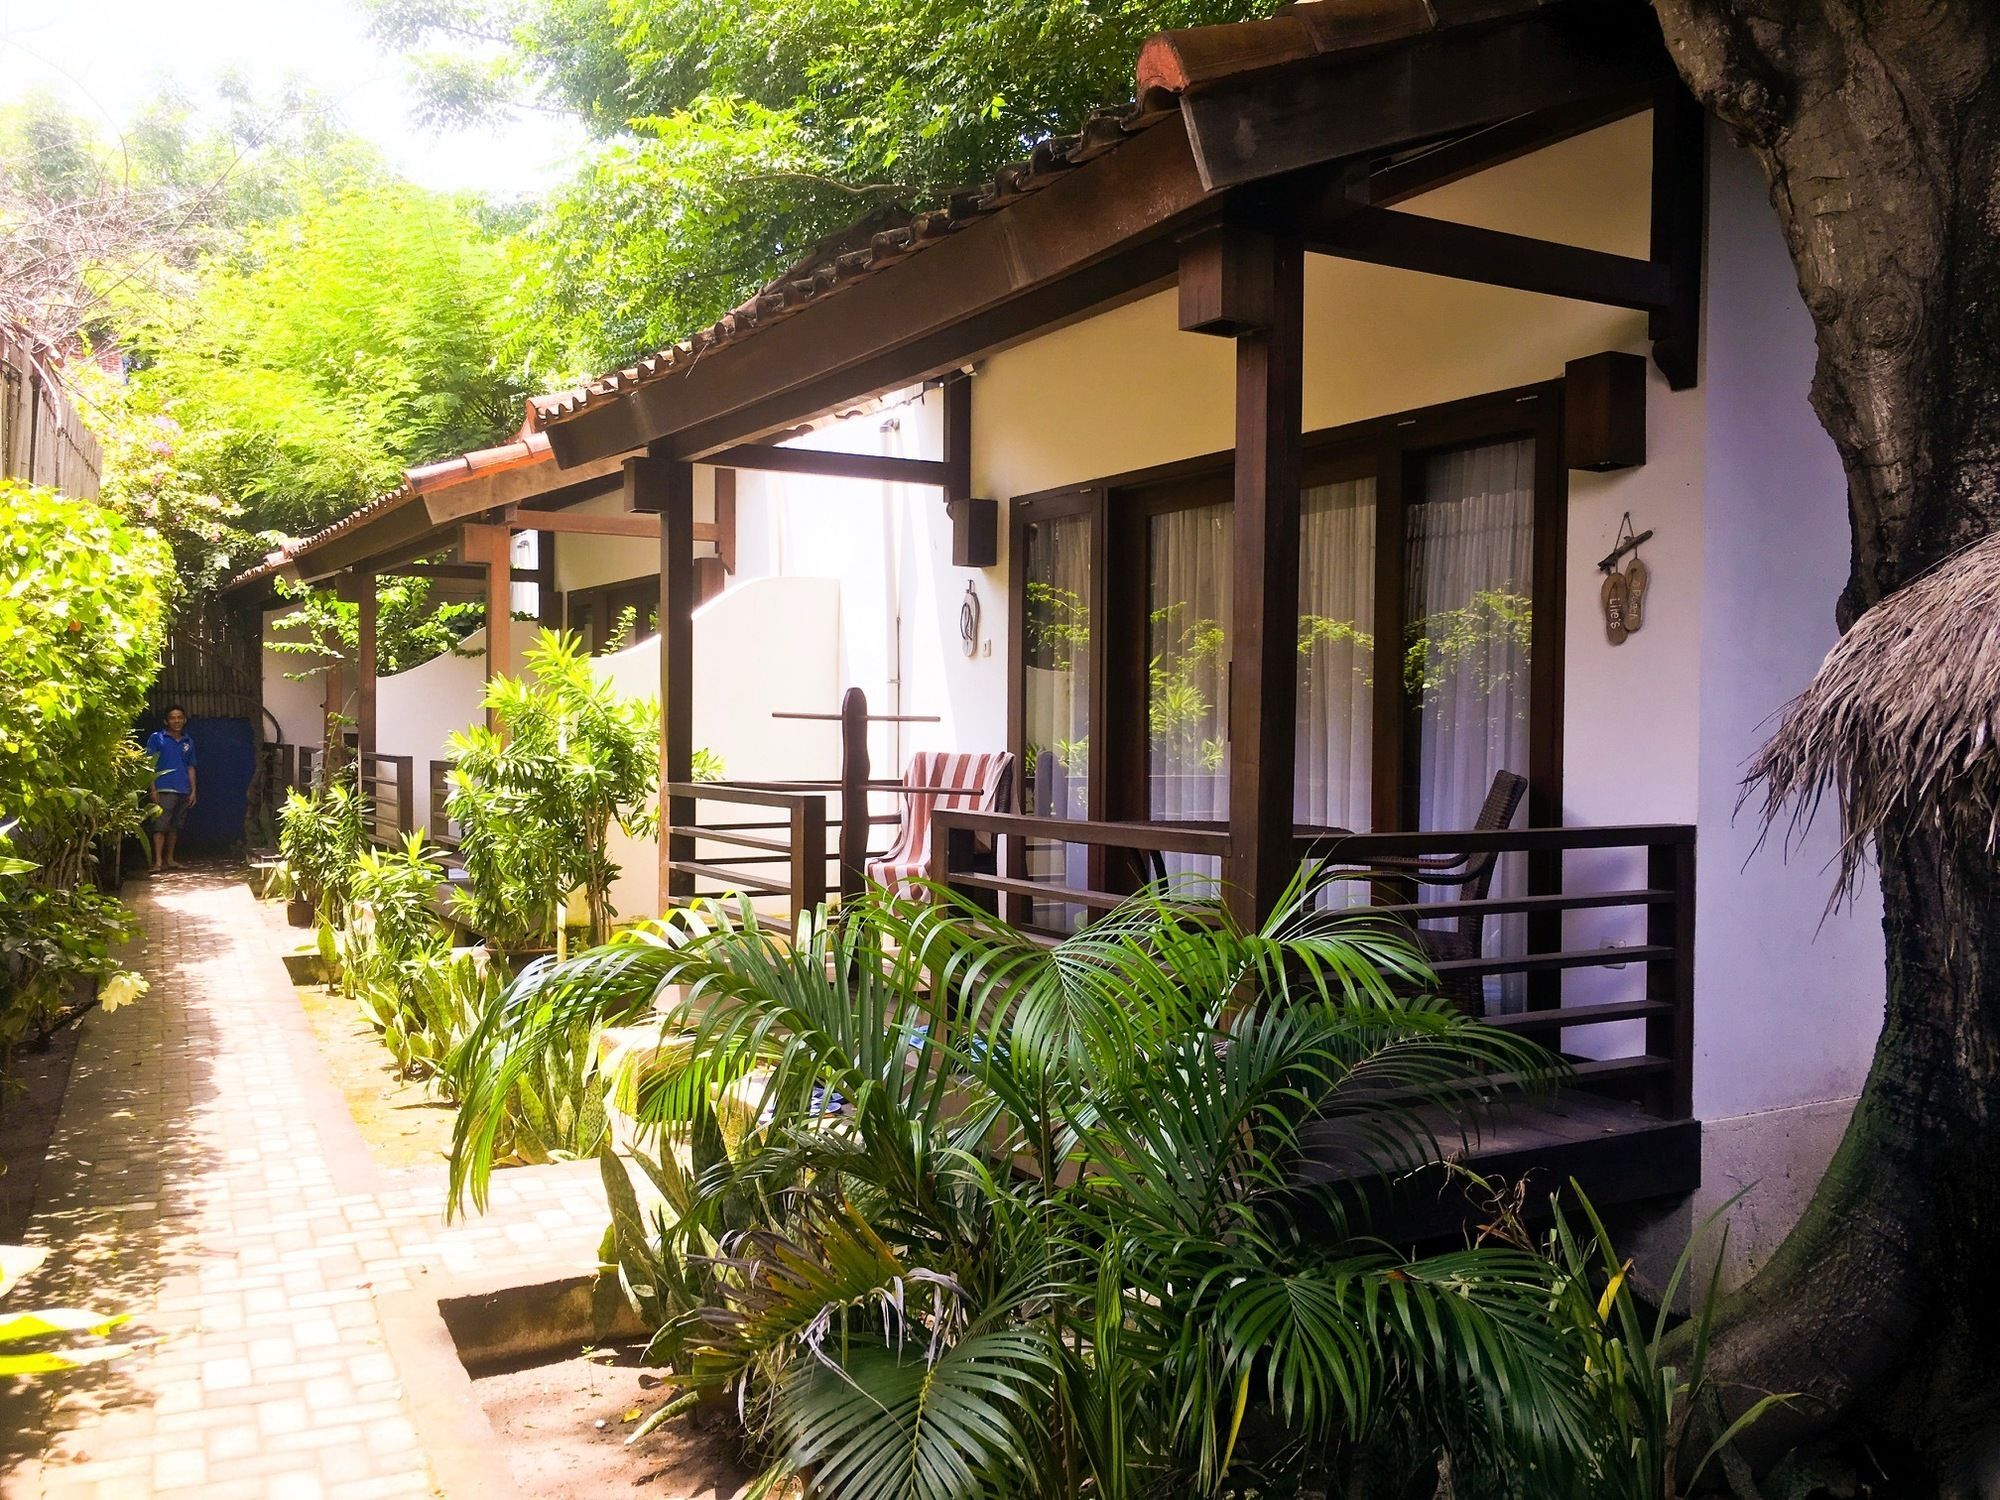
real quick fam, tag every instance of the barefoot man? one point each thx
(173, 784)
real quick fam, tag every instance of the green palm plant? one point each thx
(538, 795)
(952, 1214)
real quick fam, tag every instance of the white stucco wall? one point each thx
(1744, 494)
(767, 645)
(297, 706)
(418, 711)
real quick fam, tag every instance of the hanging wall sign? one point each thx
(968, 622)
(1625, 588)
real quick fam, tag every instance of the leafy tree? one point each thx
(338, 345)
(733, 138)
(536, 797)
(325, 630)
(81, 612)
(1878, 125)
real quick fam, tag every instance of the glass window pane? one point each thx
(1187, 655)
(1336, 691)
(1055, 696)
(1470, 576)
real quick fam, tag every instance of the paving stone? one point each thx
(188, 1186)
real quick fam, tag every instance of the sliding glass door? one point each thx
(1469, 604)
(1423, 661)
(1056, 663)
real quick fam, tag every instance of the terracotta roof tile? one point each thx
(529, 446)
(1171, 63)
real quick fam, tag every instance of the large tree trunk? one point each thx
(1878, 123)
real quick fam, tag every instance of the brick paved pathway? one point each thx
(206, 1177)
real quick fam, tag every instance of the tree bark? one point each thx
(1878, 124)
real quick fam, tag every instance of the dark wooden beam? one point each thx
(957, 437)
(467, 572)
(538, 483)
(360, 587)
(913, 320)
(1490, 146)
(1680, 228)
(665, 487)
(1225, 281)
(725, 518)
(562, 521)
(404, 529)
(1330, 225)
(1137, 271)
(872, 466)
(571, 523)
(1461, 79)
(1264, 612)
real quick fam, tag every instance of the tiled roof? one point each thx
(529, 446)
(1187, 61)
(865, 249)
(1170, 64)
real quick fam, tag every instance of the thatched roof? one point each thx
(1900, 722)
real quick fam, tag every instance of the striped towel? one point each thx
(960, 780)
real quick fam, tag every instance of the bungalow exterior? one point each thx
(1369, 328)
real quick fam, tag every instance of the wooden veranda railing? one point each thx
(764, 842)
(386, 783)
(1608, 961)
(441, 830)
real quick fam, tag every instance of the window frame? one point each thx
(1394, 448)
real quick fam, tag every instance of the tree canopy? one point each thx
(731, 139)
(280, 326)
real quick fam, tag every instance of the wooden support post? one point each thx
(1671, 1035)
(665, 487)
(333, 733)
(725, 518)
(548, 606)
(808, 870)
(360, 587)
(1259, 297)
(1680, 224)
(854, 771)
(492, 546)
(957, 437)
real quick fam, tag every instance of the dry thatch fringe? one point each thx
(1900, 721)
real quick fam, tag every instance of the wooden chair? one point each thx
(1472, 876)
(960, 781)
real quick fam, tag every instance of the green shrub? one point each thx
(82, 616)
(536, 797)
(320, 837)
(1053, 1239)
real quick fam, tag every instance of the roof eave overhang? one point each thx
(1105, 231)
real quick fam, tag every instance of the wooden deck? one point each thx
(1614, 1149)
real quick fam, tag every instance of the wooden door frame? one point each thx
(1395, 446)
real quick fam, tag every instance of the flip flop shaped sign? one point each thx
(1624, 592)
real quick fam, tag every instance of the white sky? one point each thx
(105, 58)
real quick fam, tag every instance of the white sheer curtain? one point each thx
(1469, 576)
(1187, 646)
(1336, 717)
(1187, 652)
(1056, 698)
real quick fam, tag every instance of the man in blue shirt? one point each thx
(173, 784)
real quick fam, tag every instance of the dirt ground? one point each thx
(564, 1425)
(31, 1099)
(404, 1124)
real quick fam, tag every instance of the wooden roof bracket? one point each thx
(1331, 209)
(1680, 230)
